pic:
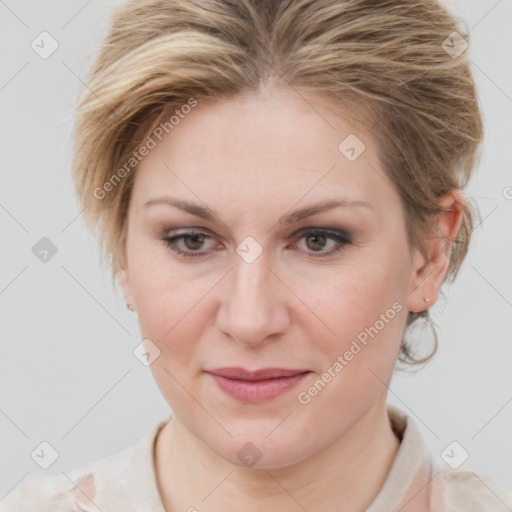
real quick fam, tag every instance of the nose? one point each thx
(253, 306)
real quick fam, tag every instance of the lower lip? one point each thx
(257, 391)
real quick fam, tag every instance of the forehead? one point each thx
(277, 142)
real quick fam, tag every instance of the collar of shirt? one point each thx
(411, 485)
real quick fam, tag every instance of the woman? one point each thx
(278, 189)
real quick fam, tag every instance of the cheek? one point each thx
(172, 313)
(360, 305)
(160, 297)
(364, 308)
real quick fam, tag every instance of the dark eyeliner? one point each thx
(340, 237)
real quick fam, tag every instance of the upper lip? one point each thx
(260, 374)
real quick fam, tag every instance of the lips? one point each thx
(257, 385)
(261, 374)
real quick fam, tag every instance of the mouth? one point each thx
(254, 386)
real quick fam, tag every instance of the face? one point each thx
(258, 285)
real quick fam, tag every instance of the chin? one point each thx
(255, 448)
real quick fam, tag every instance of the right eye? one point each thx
(193, 241)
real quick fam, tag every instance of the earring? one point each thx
(426, 300)
(131, 307)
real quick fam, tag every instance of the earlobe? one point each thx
(430, 269)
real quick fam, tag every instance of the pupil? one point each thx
(317, 237)
(194, 238)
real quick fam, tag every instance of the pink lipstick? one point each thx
(256, 385)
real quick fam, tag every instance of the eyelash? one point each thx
(340, 237)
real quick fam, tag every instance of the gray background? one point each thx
(67, 363)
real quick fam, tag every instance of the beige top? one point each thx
(126, 482)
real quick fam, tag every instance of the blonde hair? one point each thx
(391, 63)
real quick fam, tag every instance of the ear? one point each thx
(429, 271)
(127, 288)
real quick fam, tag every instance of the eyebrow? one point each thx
(289, 218)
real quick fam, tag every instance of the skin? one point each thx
(253, 159)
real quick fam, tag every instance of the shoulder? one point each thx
(85, 488)
(464, 489)
(62, 492)
(470, 490)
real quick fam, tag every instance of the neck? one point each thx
(349, 472)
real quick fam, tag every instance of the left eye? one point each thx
(316, 240)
